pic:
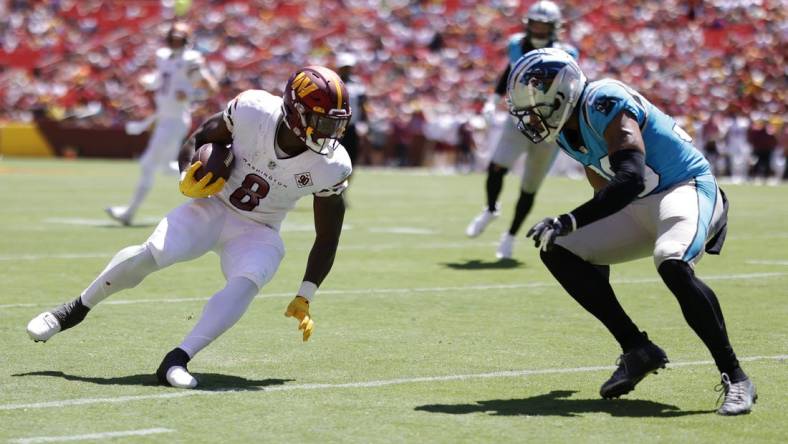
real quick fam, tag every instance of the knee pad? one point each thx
(668, 250)
(130, 266)
(126, 270)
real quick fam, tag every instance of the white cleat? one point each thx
(43, 327)
(179, 377)
(739, 396)
(480, 222)
(119, 214)
(506, 247)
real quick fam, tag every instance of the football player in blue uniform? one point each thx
(654, 196)
(542, 24)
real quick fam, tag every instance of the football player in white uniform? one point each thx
(542, 25)
(180, 72)
(285, 148)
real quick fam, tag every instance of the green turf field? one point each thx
(421, 336)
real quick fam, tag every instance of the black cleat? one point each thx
(172, 370)
(632, 368)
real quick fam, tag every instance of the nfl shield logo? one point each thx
(303, 180)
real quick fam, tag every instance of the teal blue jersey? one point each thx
(671, 157)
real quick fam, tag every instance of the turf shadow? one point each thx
(208, 381)
(556, 403)
(478, 264)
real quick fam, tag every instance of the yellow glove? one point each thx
(192, 188)
(299, 309)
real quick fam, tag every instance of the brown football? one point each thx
(216, 158)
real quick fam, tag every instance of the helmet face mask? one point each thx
(542, 23)
(178, 36)
(542, 91)
(537, 122)
(316, 108)
(540, 33)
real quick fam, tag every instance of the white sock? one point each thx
(127, 269)
(220, 313)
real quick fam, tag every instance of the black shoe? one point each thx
(632, 368)
(49, 323)
(172, 370)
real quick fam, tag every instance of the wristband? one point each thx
(307, 290)
(568, 222)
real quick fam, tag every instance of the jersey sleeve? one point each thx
(333, 190)
(607, 101)
(334, 181)
(243, 112)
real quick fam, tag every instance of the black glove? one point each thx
(545, 232)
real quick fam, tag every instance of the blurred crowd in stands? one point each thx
(718, 66)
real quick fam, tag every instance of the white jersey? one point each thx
(262, 185)
(177, 73)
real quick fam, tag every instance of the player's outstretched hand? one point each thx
(194, 188)
(545, 232)
(299, 309)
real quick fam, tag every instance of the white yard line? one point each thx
(350, 385)
(361, 247)
(766, 262)
(89, 436)
(479, 287)
(102, 222)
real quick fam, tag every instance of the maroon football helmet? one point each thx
(317, 107)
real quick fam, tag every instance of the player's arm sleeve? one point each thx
(338, 177)
(628, 162)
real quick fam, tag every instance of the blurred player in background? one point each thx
(542, 24)
(285, 149)
(654, 195)
(180, 71)
(358, 126)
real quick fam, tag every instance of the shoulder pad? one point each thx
(163, 53)
(569, 49)
(248, 107)
(607, 98)
(515, 39)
